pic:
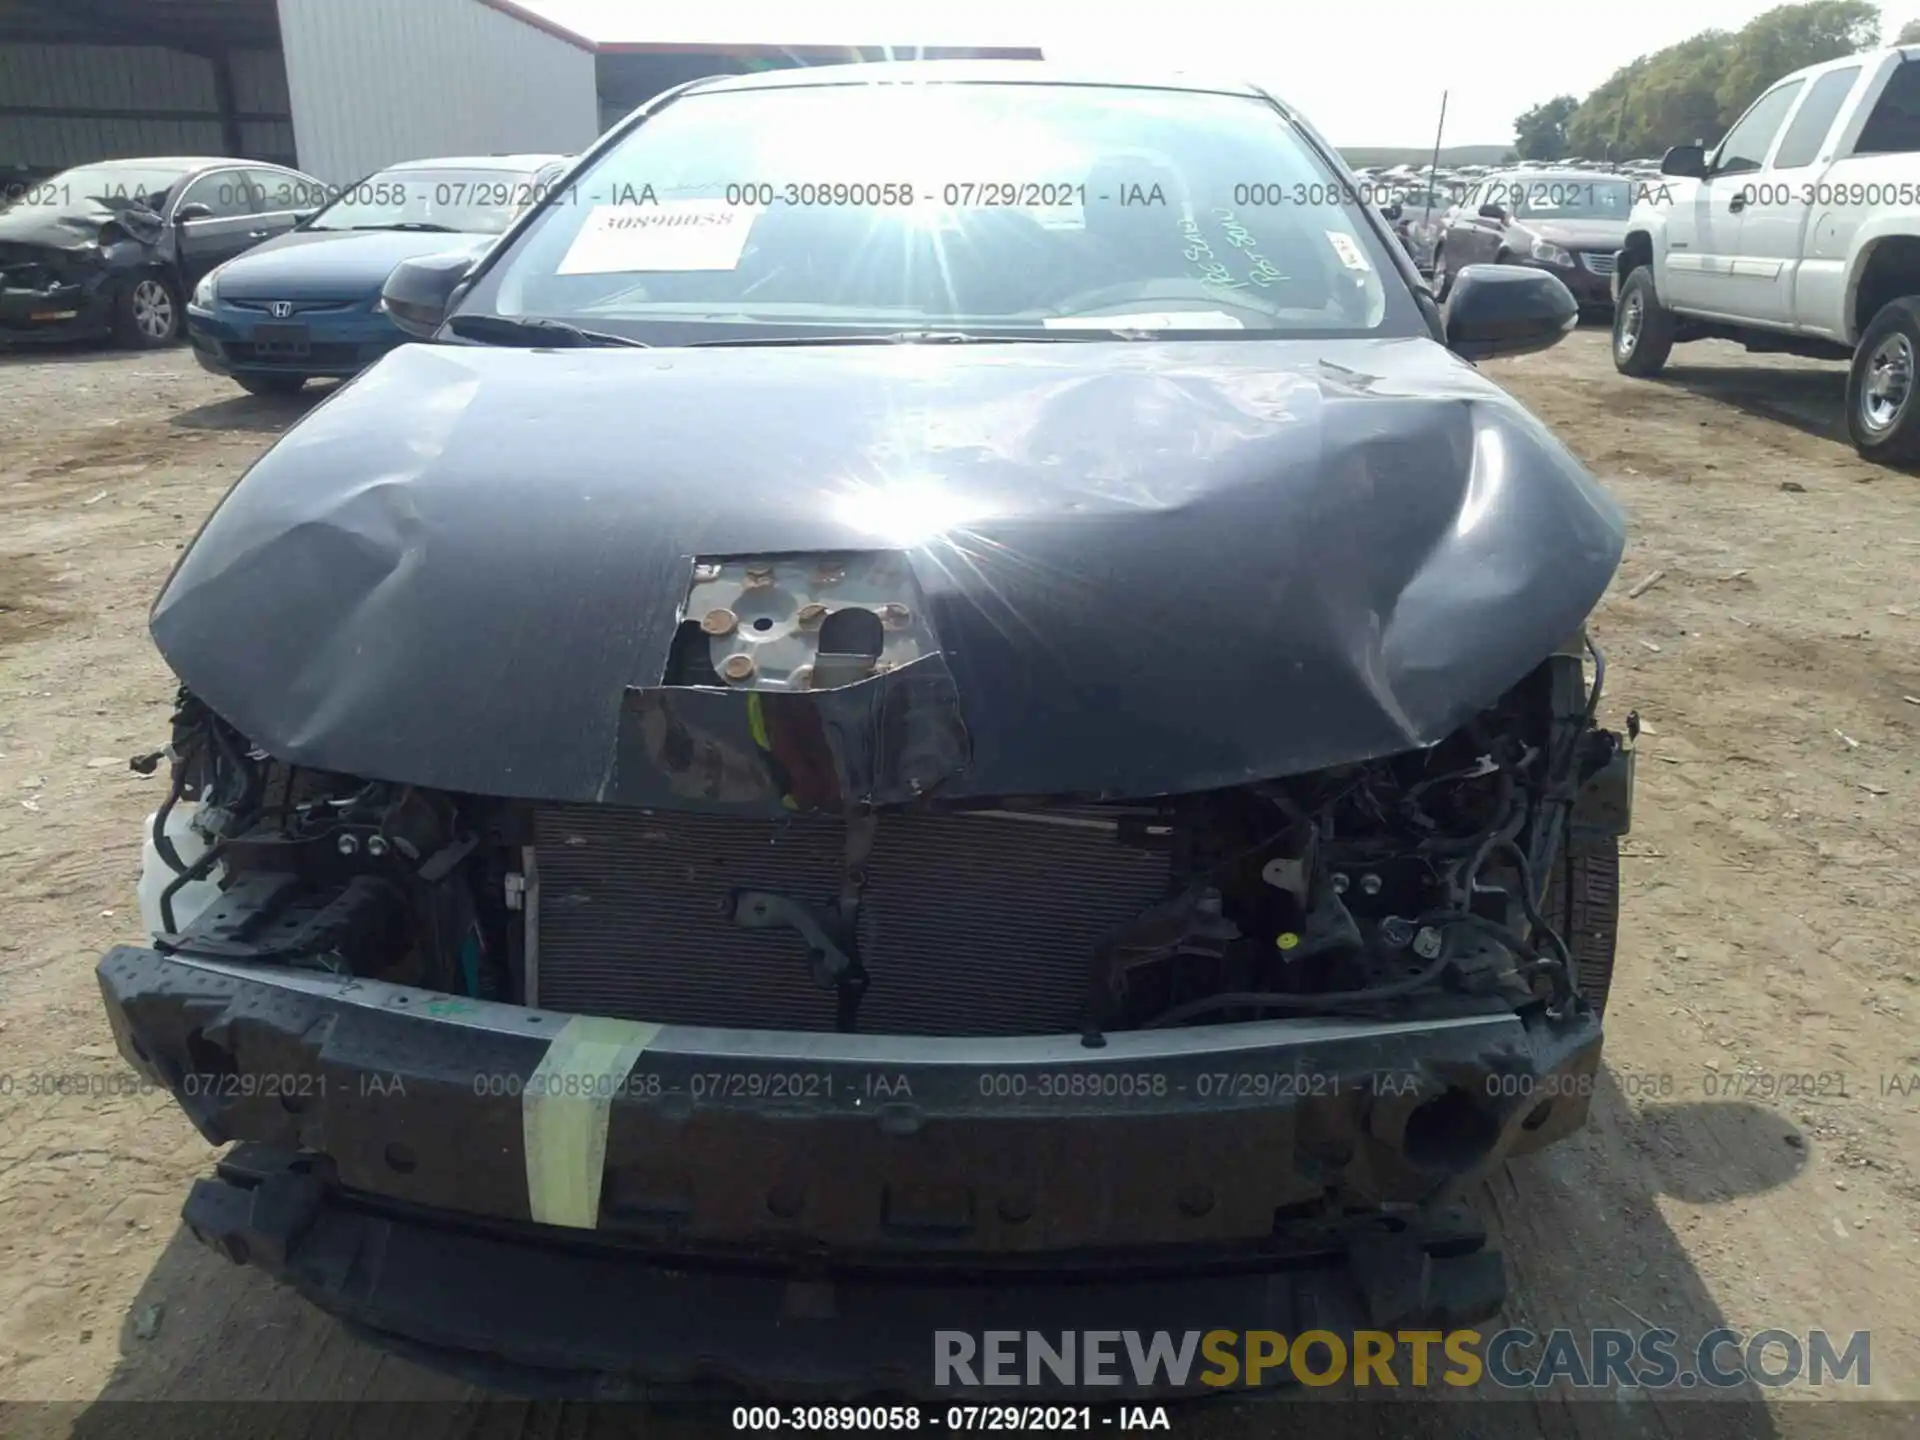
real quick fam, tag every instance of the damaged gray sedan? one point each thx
(920, 696)
(114, 248)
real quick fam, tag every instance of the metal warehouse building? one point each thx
(342, 87)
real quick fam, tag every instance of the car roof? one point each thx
(978, 72)
(480, 162)
(168, 162)
(1556, 172)
(1908, 54)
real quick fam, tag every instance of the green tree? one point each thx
(1909, 34)
(1695, 90)
(1787, 37)
(1678, 100)
(1542, 131)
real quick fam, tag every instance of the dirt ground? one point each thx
(1769, 923)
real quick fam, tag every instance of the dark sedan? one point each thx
(883, 736)
(307, 305)
(115, 248)
(1568, 223)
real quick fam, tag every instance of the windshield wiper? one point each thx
(509, 329)
(907, 337)
(409, 225)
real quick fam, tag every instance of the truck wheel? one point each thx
(1642, 328)
(146, 316)
(1583, 904)
(1883, 417)
(1441, 281)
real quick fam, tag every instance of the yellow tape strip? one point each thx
(564, 1112)
(757, 721)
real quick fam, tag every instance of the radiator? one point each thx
(969, 924)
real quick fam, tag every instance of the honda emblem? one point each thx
(282, 309)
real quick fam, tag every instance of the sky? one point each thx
(1365, 72)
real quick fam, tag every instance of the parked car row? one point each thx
(307, 304)
(1408, 184)
(114, 249)
(1567, 222)
(1566, 217)
(273, 275)
(1798, 233)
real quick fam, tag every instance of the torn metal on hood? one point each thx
(802, 682)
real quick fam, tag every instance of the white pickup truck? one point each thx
(1799, 234)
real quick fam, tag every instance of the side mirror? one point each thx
(1391, 212)
(1507, 310)
(1492, 211)
(420, 291)
(1689, 162)
(192, 210)
(301, 217)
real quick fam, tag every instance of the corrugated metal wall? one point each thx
(260, 88)
(104, 101)
(379, 81)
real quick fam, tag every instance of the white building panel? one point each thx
(374, 82)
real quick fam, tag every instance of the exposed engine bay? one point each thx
(1416, 885)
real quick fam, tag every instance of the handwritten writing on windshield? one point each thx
(1213, 269)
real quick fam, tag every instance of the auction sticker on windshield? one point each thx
(1348, 252)
(674, 235)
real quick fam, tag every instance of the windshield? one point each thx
(1534, 198)
(111, 184)
(967, 208)
(478, 202)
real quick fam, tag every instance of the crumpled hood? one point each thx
(1151, 567)
(76, 225)
(333, 264)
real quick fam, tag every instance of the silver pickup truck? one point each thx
(1798, 234)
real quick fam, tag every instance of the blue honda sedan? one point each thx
(306, 304)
